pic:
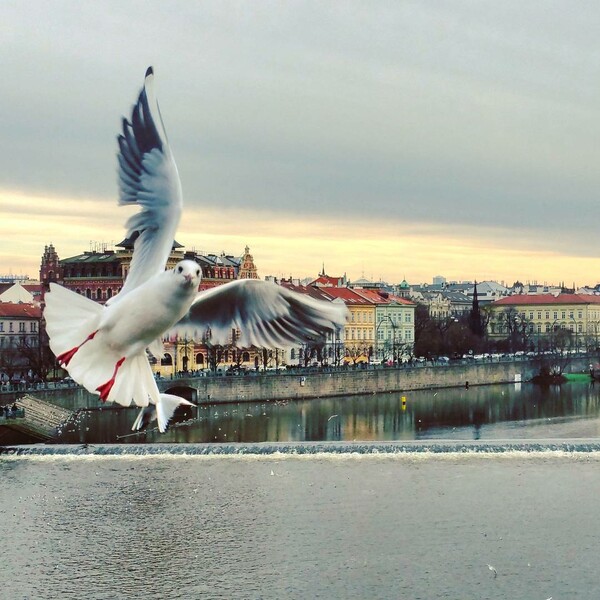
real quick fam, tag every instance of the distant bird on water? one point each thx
(104, 347)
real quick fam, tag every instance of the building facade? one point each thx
(545, 321)
(20, 343)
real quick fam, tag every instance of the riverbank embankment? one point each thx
(300, 385)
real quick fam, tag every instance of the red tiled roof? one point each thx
(20, 311)
(326, 280)
(541, 299)
(350, 297)
(382, 298)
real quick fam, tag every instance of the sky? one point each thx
(385, 140)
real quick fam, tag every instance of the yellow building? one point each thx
(538, 319)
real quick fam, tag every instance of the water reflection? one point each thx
(489, 412)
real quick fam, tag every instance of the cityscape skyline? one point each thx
(99, 245)
(390, 142)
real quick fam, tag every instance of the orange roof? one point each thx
(547, 299)
(20, 311)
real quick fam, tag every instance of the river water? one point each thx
(406, 526)
(485, 412)
(168, 521)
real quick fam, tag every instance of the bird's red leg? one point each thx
(65, 358)
(105, 388)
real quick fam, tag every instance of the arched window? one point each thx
(98, 294)
(88, 293)
(166, 360)
(199, 358)
(246, 357)
(109, 293)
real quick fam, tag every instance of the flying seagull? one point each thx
(104, 348)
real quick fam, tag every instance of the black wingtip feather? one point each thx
(149, 71)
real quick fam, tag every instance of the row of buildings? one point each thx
(380, 327)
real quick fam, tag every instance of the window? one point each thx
(21, 327)
(539, 314)
(10, 327)
(547, 314)
(1, 326)
(555, 314)
(564, 314)
(33, 327)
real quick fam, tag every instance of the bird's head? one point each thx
(188, 273)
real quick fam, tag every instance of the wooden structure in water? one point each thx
(35, 419)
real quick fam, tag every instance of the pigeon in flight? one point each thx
(104, 348)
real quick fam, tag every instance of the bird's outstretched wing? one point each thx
(148, 177)
(264, 314)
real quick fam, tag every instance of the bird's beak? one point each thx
(188, 278)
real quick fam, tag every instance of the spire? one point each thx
(475, 323)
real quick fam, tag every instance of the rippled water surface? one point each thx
(485, 412)
(283, 526)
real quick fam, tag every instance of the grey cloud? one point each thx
(452, 112)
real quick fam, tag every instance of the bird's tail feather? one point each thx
(70, 319)
(162, 411)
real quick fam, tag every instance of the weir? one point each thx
(280, 449)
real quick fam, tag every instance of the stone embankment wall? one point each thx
(286, 386)
(292, 386)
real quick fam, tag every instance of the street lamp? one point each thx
(379, 323)
(576, 338)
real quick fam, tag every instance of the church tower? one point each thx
(247, 266)
(50, 269)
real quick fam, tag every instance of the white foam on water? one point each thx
(576, 450)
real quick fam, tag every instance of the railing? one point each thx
(300, 370)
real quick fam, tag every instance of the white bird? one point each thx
(104, 347)
(493, 570)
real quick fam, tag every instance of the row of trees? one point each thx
(468, 334)
(452, 336)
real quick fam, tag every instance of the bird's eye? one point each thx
(197, 272)
(179, 269)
